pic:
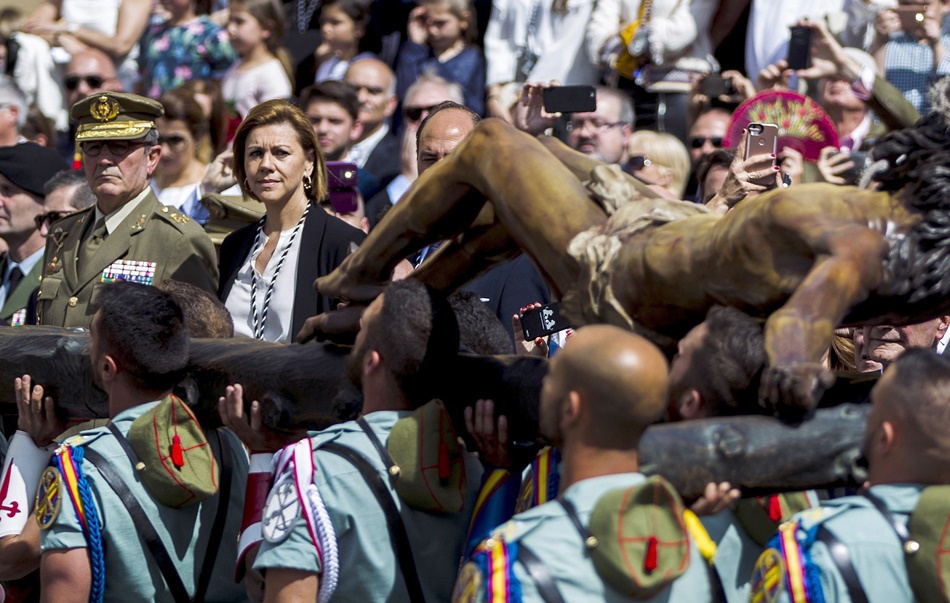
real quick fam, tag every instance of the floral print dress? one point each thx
(173, 54)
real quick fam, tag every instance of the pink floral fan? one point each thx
(802, 123)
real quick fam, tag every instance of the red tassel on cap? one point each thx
(445, 467)
(650, 562)
(178, 455)
(775, 508)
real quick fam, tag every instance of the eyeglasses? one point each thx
(93, 81)
(415, 113)
(49, 217)
(697, 142)
(93, 148)
(175, 141)
(595, 124)
(638, 162)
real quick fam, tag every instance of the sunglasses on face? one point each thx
(415, 113)
(697, 142)
(48, 218)
(93, 81)
(117, 148)
(638, 162)
(174, 141)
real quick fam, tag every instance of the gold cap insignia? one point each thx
(104, 108)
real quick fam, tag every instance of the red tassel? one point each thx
(775, 508)
(178, 456)
(650, 562)
(445, 467)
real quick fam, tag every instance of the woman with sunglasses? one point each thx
(181, 132)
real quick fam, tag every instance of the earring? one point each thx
(308, 185)
(247, 186)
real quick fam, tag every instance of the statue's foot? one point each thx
(794, 391)
(341, 285)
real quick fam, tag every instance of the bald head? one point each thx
(907, 439)
(619, 381)
(375, 85)
(85, 70)
(441, 131)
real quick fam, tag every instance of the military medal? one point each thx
(128, 270)
(49, 497)
(281, 511)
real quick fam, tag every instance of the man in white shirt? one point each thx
(377, 150)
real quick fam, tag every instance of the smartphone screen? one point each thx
(761, 139)
(569, 99)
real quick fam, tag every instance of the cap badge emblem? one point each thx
(104, 109)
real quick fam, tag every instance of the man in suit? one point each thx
(24, 169)
(377, 150)
(127, 234)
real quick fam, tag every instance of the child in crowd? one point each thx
(442, 37)
(263, 70)
(342, 25)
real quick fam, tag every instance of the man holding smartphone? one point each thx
(911, 47)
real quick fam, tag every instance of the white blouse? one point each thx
(280, 310)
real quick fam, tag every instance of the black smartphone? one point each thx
(569, 99)
(343, 186)
(761, 139)
(714, 86)
(799, 48)
(860, 160)
(539, 322)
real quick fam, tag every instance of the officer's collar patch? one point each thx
(49, 497)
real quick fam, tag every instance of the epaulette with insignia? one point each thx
(172, 215)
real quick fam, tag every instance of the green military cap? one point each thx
(115, 116)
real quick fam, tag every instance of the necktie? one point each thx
(16, 275)
(91, 245)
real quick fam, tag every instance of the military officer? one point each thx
(127, 234)
(600, 393)
(24, 169)
(864, 548)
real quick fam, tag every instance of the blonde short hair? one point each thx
(667, 153)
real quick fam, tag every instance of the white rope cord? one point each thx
(259, 321)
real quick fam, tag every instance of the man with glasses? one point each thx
(603, 134)
(67, 191)
(127, 234)
(707, 133)
(24, 168)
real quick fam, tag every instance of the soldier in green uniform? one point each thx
(24, 169)
(864, 548)
(127, 234)
(612, 534)
(95, 544)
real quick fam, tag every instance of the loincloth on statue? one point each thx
(591, 300)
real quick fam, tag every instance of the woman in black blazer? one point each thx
(267, 269)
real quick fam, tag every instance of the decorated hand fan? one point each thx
(802, 123)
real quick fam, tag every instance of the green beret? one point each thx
(115, 116)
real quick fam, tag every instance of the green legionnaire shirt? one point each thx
(494, 573)
(368, 568)
(131, 573)
(796, 566)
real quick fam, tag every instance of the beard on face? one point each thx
(353, 366)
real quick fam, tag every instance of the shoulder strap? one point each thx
(903, 534)
(543, 580)
(143, 525)
(397, 529)
(220, 517)
(842, 559)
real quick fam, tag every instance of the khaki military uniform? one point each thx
(151, 234)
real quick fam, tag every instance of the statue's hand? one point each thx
(793, 391)
(248, 426)
(340, 325)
